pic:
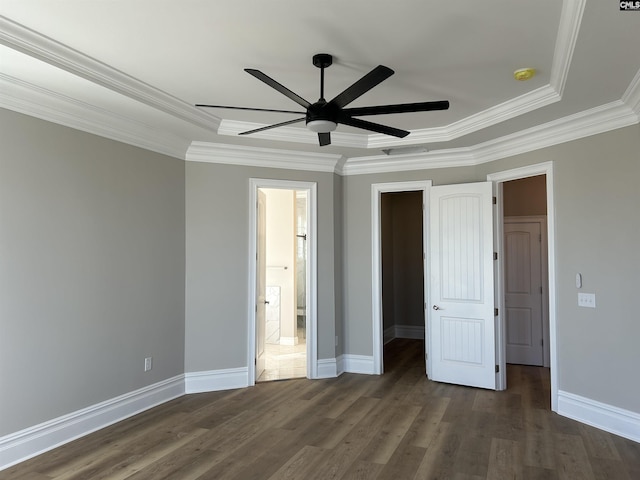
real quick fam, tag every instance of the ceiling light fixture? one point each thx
(321, 126)
(524, 74)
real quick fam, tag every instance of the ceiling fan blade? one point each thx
(279, 87)
(398, 108)
(366, 83)
(204, 105)
(324, 139)
(269, 127)
(374, 127)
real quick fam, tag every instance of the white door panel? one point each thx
(523, 293)
(462, 322)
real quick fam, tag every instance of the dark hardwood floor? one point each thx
(395, 426)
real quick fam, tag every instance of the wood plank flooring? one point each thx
(395, 426)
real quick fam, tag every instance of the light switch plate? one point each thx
(587, 300)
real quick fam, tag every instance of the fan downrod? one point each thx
(322, 60)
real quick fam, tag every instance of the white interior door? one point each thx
(523, 293)
(261, 275)
(461, 294)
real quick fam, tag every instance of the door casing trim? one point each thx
(312, 266)
(377, 189)
(498, 179)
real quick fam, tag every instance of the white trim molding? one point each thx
(261, 157)
(312, 268)
(363, 364)
(41, 47)
(498, 178)
(29, 99)
(20, 446)
(328, 368)
(600, 415)
(215, 380)
(377, 189)
(409, 331)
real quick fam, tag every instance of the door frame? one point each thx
(377, 189)
(498, 179)
(311, 271)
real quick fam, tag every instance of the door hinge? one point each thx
(495, 255)
(495, 201)
(255, 361)
(540, 289)
(542, 342)
(540, 238)
(495, 312)
(426, 356)
(256, 308)
(497, 368)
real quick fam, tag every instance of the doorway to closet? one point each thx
(402, 260)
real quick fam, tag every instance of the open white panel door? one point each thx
(261, 275)
(462, 325)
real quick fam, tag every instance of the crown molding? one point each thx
(631, 96)
(36, 45)
(583, 124)
(596, 120)
(458, 157)
(261, 157)
(35, 101)
(570, 21)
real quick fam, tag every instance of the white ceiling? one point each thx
(132, 70)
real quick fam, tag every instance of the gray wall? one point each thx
(217, 269)
(91, 269)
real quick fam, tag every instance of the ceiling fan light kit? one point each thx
(321, 126)
(323, 117)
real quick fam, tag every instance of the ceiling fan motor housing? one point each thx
(322, 110)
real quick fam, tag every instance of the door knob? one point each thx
(436, 307)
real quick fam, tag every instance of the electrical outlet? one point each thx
(148, 364)
(587, 300)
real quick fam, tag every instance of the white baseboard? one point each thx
(357, 364)
(328, 368)
(20, 446)
(409, 331)
(389, 334)
(289, 340)
(216, 380)
(403, 331)
(600, 415)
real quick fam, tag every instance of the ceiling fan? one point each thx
(323, 117)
